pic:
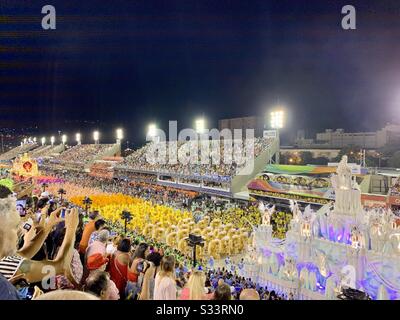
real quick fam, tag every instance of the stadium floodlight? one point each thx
(277, 119)
(200, 125)
(52, 140)
(78, 138)
(43, 140)
(152, 130)
(25, 140)
(64, 139)
(120, 135)
(34, 139)
(96, 136)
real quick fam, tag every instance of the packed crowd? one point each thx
(43, 151)
(83, 153)
(146, 158)
(94, 259)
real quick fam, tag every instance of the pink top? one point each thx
(164, 288)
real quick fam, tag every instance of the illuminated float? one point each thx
(340, 245)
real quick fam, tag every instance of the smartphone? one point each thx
(27, 226)
(63, 213)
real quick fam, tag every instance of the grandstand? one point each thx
(81, 157)
(15, 152)
(226, 179)
(46, 151)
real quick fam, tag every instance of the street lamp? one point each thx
(96, 136)
(52, 140)
(78, 138)
(120, 135)
(43, 141)
(64, 139)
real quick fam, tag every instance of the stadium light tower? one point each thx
(277, 119)
(152, 132)
(120, 135)
(43, 141)
(78, 138)
(200, 125)
(52, 140)
(96, 136)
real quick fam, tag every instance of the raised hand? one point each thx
(54, 219)
(72, 220)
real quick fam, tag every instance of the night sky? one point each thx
(128, 63)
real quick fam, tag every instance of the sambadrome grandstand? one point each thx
(267, 180)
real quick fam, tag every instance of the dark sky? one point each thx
(127, 63)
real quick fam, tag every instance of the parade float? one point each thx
(25, 166)
(342, 245)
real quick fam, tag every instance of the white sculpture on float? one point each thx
(335, 238)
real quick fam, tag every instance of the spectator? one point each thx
(100, 284)
(165, 286)
(87, 232)
(195, 288)
(223, 292)
(118, 265)
(249, 294)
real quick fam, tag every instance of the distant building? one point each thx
(390, 134)
(255, 123)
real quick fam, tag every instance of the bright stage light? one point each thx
(64, 138)
(34, 139)
(52, 140)
(277, 119)
(43, 140)
(120, 134)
